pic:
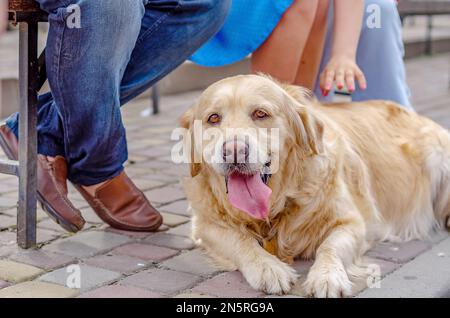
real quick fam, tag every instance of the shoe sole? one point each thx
(44, 204)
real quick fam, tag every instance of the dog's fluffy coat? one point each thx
(350, 174)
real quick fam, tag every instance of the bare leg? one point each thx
(279, 56)
(312, 54)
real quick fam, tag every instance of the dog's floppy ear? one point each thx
(313, 137)
(186, 122)
(307, 127)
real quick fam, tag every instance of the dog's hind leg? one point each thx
(443, 203)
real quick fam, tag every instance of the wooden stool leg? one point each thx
(28, 76)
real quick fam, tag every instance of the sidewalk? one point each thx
(124, 264)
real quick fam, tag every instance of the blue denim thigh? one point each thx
(85, 66)
(168, 37)
(170, 31)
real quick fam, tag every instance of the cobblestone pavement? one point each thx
(115, 263)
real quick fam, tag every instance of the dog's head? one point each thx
(245, 130)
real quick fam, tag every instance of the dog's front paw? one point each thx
(327, 281)
(270, 275)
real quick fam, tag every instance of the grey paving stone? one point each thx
(7, 238)
(7, 221)
(283, 296)
(9, 211)
(398, 253)
(8, 202)
(428, 275)
(118, 263)
(179, 170)
(90, 277)
(90, 216)
(132, 234)
(173, 220)
(193, 295)
(145, 184)
(119, 291)
(154, 165)
(178, 207)
(165, 194)
(45, 236)
(145, 251)
(170, 241)
(40, 214)
(42, 259)
(87, 243)
(438, 236)
(227, 285)
(3, 284)
(6, 250)
(181, 230)
(164, 281)
(194, 262)
(51, 225)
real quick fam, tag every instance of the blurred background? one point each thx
(426, 35)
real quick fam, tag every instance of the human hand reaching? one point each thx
(343, 71)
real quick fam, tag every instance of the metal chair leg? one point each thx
(429, 35)
(28, 77)
(155, 99)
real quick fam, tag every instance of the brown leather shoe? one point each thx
(122, 205)
(51, 184)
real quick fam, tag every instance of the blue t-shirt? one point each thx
(247, 26)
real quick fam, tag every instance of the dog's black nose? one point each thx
(235, 151)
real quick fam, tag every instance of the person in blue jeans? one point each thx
(119, 49)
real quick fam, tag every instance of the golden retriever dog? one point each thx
(335, 179)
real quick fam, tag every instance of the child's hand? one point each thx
(342, 70)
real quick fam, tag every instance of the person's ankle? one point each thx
(93, 188)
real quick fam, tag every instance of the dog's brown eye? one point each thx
(259, 114)
(214, 119)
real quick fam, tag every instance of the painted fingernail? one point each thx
(326, 93)
(339, 86)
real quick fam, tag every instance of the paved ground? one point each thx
(124, 264)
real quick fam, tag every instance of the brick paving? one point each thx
(116, 263)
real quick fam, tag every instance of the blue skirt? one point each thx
(247, 26)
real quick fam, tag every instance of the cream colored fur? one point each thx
(350, 174)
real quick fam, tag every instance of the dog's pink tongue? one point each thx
(249, 194)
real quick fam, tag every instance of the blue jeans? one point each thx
(121, 49)
(379, 55)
